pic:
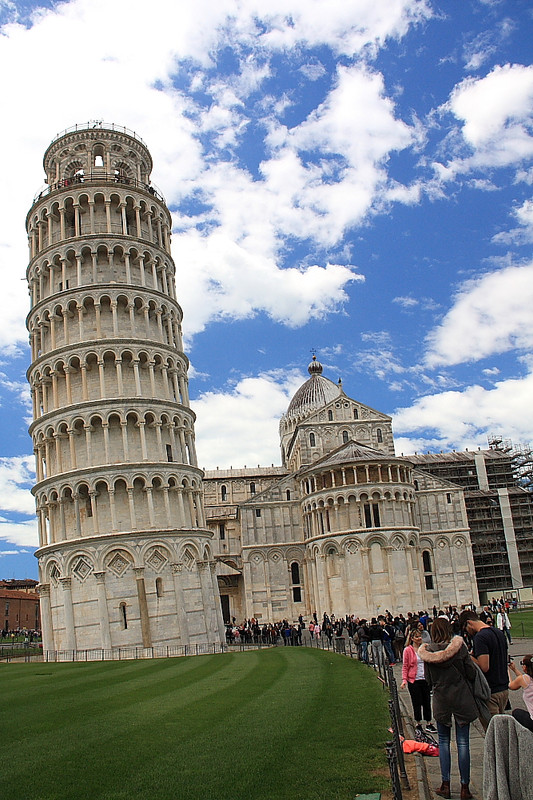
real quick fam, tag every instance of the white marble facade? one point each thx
(344, 526)
(125, 556)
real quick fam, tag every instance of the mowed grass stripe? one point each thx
(109, 690)
(286, 722)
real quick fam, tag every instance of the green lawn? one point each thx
(522, 624)
(280, 723)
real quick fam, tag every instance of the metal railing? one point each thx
(98, 125)
(128, 653)
(99, 177)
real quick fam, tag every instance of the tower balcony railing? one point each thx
(97, 124)
(99, 177)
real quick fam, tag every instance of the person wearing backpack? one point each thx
(490, 653)
(449, 672)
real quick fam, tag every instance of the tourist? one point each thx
(363, 639)
(490, 654)
(375, 634)
(448, 671)
(426, 638)
(398, 642)
(414, 678)
(523, 680)
(388, 638)
(503, 623)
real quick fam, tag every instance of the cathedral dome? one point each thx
(314, 393)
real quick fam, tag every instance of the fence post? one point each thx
(398, 745)
(393, 767)
(393, 686)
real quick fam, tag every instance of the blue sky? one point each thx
(353, 178)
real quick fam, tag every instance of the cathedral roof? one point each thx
(314, 393)
(351, 451)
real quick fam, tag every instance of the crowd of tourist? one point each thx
(20, 635)
(455, 666)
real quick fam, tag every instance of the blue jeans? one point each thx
(364, 651)
(389, 651)
(462, 738)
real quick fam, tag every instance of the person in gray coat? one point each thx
(450, 672)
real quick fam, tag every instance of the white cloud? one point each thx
(524, 233)
(496, 113)
(23, 533)
(313, 71)
(239, 426)
(491, 314)
(459, 419)
(477, 51)
(495, 104)
(129, 67)
(16, 476)
(406, 302)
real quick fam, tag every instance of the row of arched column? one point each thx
(96, 263)
(377, 509)
(100, 210)
(370, 472)
(121, 504)
(104, 316)
(105, 375)
(83, 442)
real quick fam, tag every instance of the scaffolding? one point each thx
(521, 456)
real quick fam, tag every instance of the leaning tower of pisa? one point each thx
(125, 557)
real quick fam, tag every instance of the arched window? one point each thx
(159, 587)
(379, 434)
(345, 437)
(123, 616)
(223, 493)
(312, 439)
(428, 570)
(330, 415)
(288, 494)
(252, 488)
(296, 582)
(355, 413)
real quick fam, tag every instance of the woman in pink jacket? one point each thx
(413, 677)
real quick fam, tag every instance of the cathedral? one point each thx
(137, 546)
(343, 526)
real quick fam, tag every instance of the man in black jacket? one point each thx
(491, 655)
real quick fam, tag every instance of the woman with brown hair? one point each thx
(450, 672)
(523, 680)
(413, 676)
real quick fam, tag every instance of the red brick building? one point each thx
(19, 609)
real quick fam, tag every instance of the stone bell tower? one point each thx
(125, 557)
